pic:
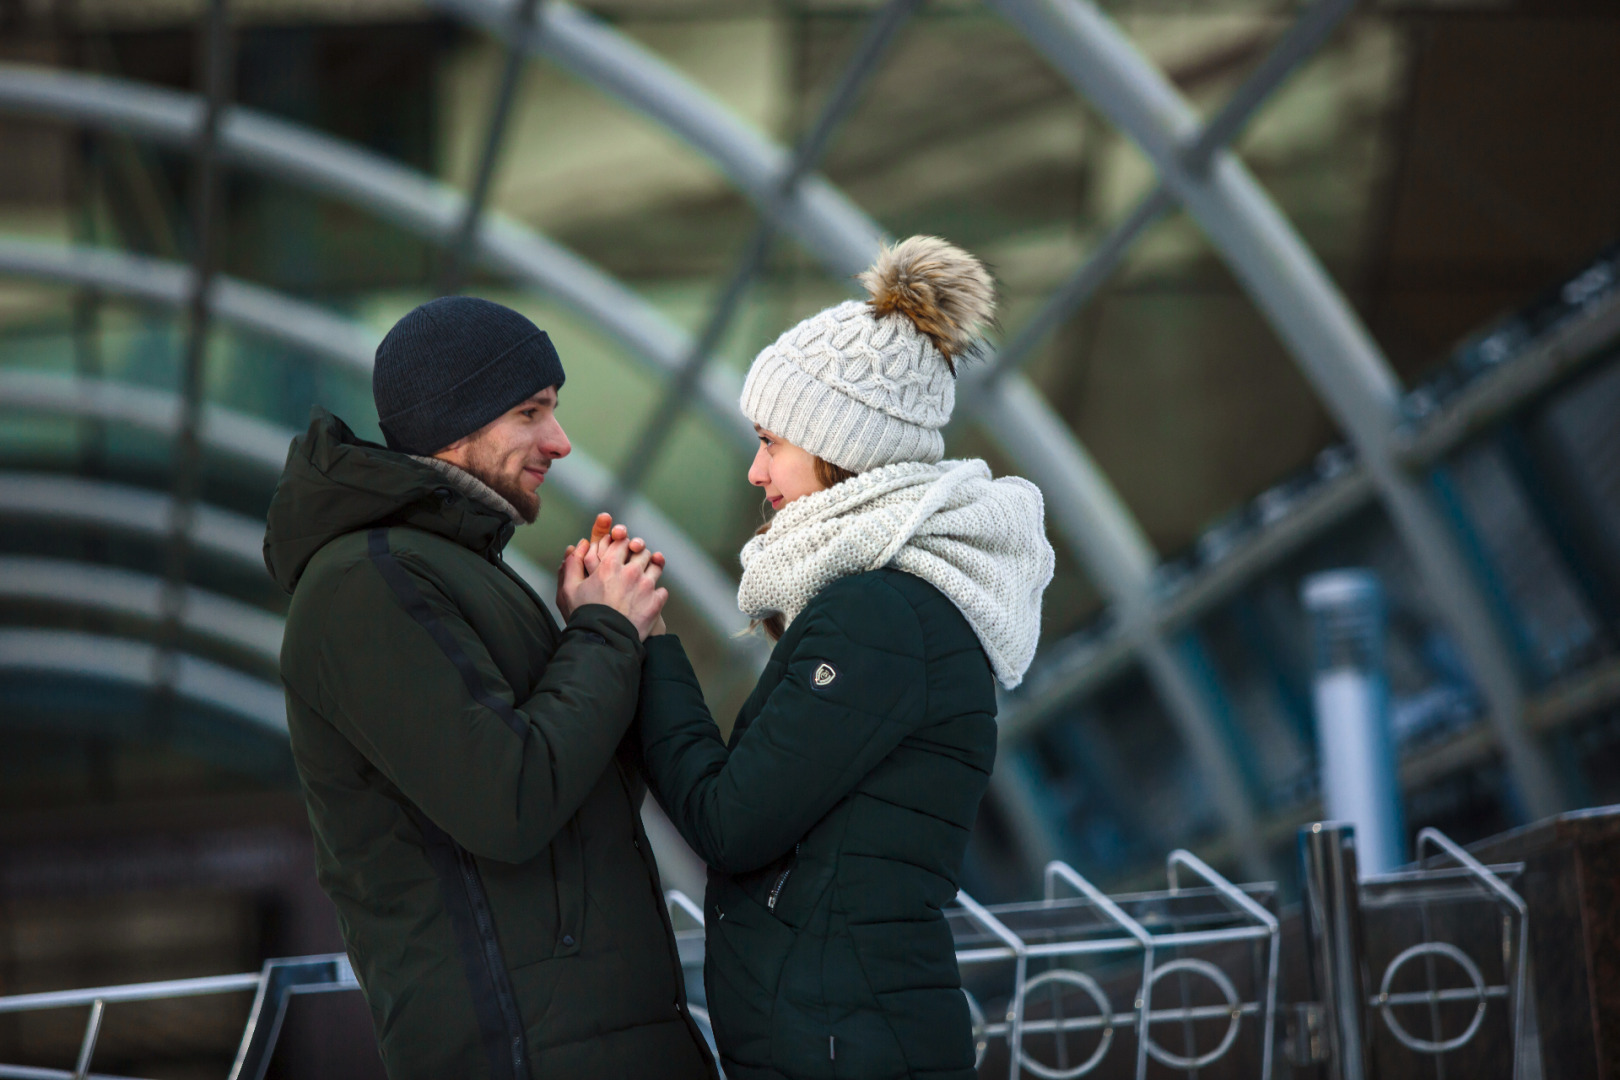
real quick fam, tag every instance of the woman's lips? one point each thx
(776, 502)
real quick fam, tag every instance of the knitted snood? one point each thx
(981, 542)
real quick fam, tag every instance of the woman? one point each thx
(899, 588)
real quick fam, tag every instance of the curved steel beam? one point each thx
(117, 591)
(274, 315)
(93, 656)
(264, 446)
(330, 167)
(1326, 339)
(1101, 531)
(416, 202)
(831, 227)
(340, 170)
(102, 504)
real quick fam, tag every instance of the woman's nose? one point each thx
(758, 474)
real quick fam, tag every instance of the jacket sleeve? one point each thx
(812, 741)
(410, 684)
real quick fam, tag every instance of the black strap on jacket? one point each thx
(411, 599)
(494, 1003)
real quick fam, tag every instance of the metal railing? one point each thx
(1080, 966)
(1343, 909)
(1057, 949)
(273, 988)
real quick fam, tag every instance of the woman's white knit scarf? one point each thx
(981, 542)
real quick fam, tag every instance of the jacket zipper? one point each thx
(492, 956)
(781, 880)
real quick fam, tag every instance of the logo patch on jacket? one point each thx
(824, 676)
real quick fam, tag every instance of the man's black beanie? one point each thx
(453, 365)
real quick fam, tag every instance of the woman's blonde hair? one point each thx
(829, 475)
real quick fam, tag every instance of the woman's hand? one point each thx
(607, 542)
(624, 581)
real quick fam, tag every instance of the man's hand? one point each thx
(615, 571)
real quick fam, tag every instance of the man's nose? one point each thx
(554, 441)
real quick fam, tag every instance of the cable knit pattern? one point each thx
(981, 542)
(857, 389)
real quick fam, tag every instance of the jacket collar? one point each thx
(336, 483)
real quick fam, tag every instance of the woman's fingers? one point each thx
(601, 527)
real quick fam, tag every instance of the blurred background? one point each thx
(1285, 288)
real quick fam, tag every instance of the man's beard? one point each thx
(526, 503)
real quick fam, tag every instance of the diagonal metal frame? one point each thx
(1316, 324)
(333, 168)
(1307, 34)
(338, 170)
(460, 252)
(1129, 586)
(1099, 529)
(875, 42)
(216, 50)
(823, 220)
(1088, 512)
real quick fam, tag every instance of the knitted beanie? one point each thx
(454, 364)
(871, 382)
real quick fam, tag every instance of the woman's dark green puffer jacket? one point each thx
(834, 824)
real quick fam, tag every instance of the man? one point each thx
(476, 818)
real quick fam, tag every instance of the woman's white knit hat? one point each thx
(871, 382)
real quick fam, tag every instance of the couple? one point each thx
(474, 773)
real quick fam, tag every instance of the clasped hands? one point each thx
(614, 569)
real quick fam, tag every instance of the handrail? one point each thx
(675, 898)
(1183, 857)
(64, 999)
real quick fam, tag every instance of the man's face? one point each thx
(512, 452)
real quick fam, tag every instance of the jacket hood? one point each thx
(336, 483)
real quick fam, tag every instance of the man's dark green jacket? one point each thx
(476, 817)
(834, 824)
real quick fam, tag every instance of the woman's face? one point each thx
(785, 471)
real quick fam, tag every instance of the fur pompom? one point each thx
(945, 291)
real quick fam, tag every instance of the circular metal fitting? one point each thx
(1386, 1007)
(1105, 1009)
(1233, 1002)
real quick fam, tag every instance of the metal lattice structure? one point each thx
(1197, 171)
